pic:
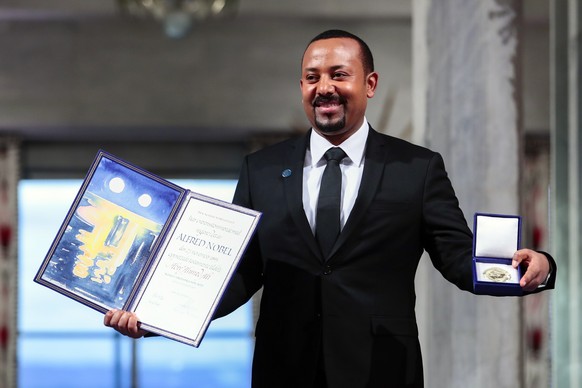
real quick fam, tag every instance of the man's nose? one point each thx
(325, 86)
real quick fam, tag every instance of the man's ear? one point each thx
(371, 83)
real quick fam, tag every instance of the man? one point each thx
(345, 318)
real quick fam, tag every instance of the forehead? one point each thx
(332, 52)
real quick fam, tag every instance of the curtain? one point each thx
(9, 175)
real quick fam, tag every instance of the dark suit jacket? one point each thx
(357, 305)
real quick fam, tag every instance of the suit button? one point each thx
(327, 270)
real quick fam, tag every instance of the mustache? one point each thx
(327, 99)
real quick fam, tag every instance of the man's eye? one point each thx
(311, 78)
(338, 75)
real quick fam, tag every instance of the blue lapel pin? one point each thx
(286, 173)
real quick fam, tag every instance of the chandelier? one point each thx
(178, 16)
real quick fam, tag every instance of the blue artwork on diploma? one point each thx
(110, 233)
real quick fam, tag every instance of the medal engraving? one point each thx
(496, 274)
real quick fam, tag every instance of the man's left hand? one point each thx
(538, 268)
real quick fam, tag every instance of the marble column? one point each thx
(566, 189)
(466, 106)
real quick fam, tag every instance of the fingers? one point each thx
(521, 256)
(537, 265)
(124, 322)
(528, 281)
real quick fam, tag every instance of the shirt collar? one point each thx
(353, 146)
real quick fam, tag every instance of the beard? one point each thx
(325, 124)
(329, 126)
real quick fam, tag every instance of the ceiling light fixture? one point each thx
(178, 16)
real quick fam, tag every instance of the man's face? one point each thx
(334, 87)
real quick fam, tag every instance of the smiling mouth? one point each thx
(328, 109)
(327, 105)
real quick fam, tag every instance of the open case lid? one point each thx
(496, 235)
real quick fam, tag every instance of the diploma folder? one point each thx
(134, 241)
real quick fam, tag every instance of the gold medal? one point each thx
(497, 274)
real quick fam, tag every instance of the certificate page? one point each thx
(194, 266)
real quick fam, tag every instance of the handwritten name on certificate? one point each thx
(193, 269)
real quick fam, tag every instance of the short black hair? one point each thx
(366, 53)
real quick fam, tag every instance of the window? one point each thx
(64, 344)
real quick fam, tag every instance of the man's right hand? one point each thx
(124, 322)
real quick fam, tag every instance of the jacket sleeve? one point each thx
(446, 236)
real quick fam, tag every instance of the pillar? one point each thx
(566, 190)
(467, 107)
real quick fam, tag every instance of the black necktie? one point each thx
(327, 220)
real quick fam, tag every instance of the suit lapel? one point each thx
(373, 170)
(376, 158)
(293, 183)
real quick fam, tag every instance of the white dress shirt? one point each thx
(351, 167)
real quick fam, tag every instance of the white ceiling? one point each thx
(19, 9)
(61, 46)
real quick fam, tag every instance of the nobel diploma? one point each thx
(137, 242)
(193, 269)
